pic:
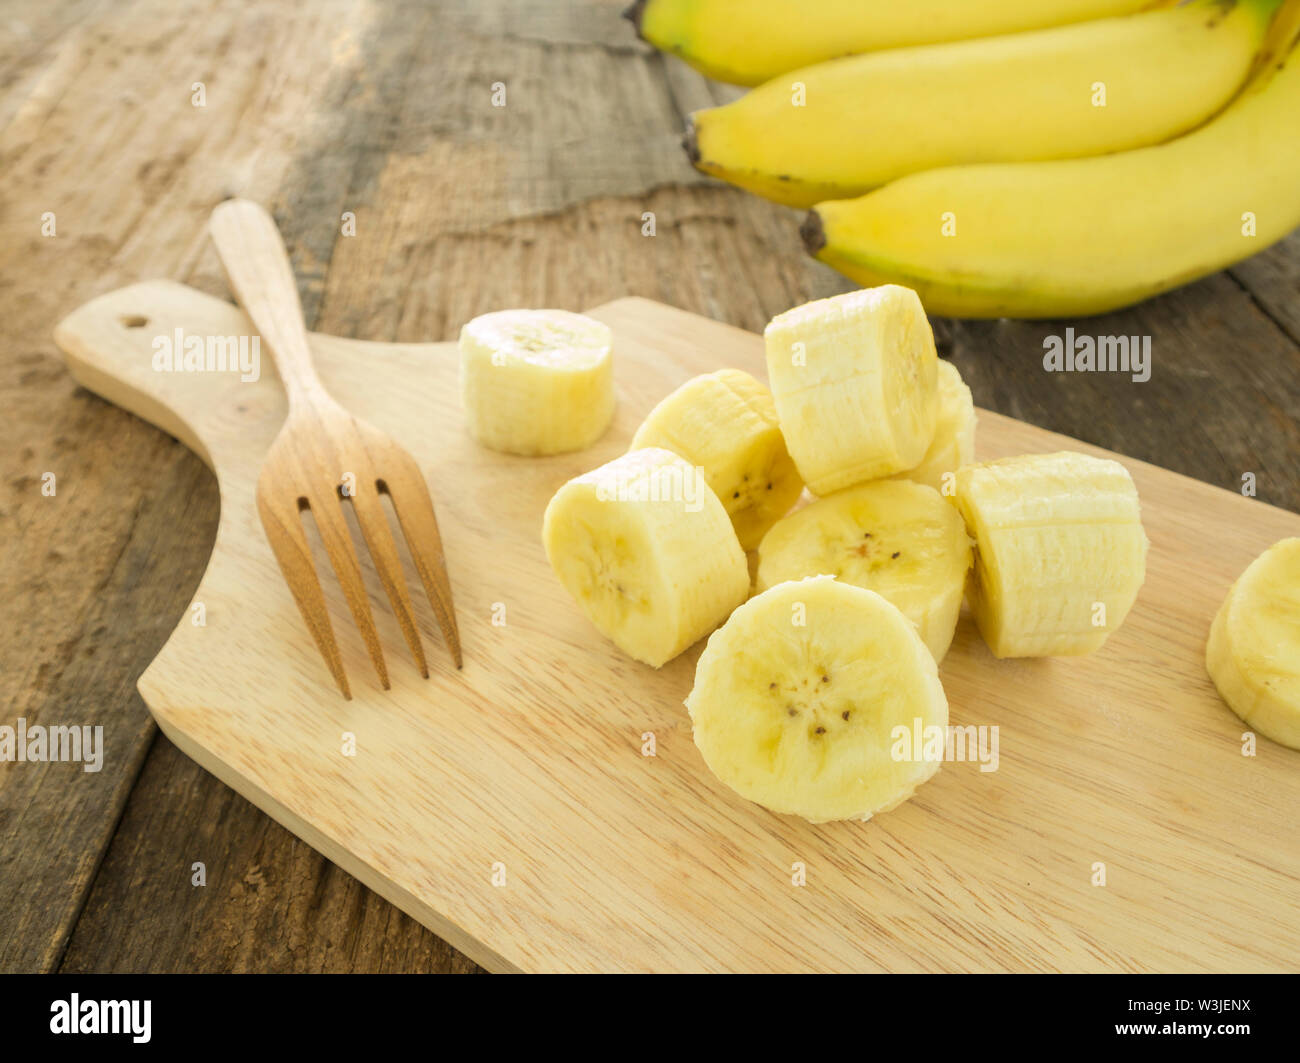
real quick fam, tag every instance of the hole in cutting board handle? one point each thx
(133, 320)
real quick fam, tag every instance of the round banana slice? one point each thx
(854, 378)
(536, 381)
(648, 553)
(1060, 552)
(897, 538)
(725, 423)
(1253, 654)
(818, 699)
(954, 434)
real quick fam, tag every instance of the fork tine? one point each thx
(328, 512)
(383, 552)
(284, 531)
(410, 498)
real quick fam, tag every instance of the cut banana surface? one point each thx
(1060, 551)
(798, 699)
(725, 423)
(1253, 654)
(536, 382)
(854, 378)
(648, 553)
(954, 434)
(897, 538)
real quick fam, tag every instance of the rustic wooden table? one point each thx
(385, 109)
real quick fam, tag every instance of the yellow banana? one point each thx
(842, 128)
(1081, 236)
(748, 42)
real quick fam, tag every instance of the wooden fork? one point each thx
(324, 459)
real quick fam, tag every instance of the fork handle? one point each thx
(257, 265)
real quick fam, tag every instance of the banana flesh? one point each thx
(536, 382)
(1060, 552)
(854, 378)
(725, 423)
(1253, 654)
(897, 538)
(648, 553)
(797, 697)
(954, 434)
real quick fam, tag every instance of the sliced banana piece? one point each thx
(1253, 654)
(954, 434)
(1060, 552)
(798, 698)
(897, 538)
(854, 378)
(648, 553)
(536, 381)
(725, 423)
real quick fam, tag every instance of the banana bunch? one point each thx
(1008, 158)
(748, 42)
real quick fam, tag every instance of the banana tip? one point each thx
(814, 235)
(634, 13)
(691, 143)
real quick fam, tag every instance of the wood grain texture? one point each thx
(528, 762)
(331, 465)
(269, 903)
(383, 108)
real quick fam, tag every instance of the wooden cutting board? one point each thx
(510, 808)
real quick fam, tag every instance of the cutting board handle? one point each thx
(187, 362)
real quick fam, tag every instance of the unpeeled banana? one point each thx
(854, 378)
(536, 381)
(842, 128)
(1253, 654)
(798, 699)
(1081, 236)
(747, 42)
(897, 538)
(648, 553)
(725, 424)
(1060, 552)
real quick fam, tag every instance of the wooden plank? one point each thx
(268, 903)
(93, 585)
(99, 131)
(527, 763)
(380, 109)
(1273, 279)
